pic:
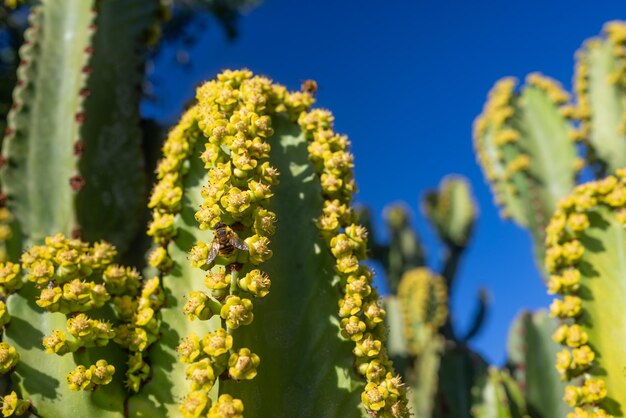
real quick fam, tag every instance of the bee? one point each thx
(224, 243)
(309, 86)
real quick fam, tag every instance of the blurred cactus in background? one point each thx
(533, 146)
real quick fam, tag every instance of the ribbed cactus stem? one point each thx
(585, 259)
(600, 86)
(527, 153)
(262, 159)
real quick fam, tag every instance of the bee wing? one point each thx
(238, 243)
(213, 252)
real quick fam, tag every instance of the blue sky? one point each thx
(405, 83)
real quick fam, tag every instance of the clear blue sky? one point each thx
(405, 83)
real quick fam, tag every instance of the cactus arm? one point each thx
(110, 204)
(459, 370)
(237, 181)
(452, 210)
(423, 300)
(404, 250)
(298, 304)
(537, 160)
(531, 353)
(478, 317)
(42, 125)
(424, 381)
(588, 264)
(496, 396)
(601, 96)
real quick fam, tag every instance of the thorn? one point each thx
(8, 131)
(86, 69)
(77, 182)
(3, 199)
(77, 233)
(84, 92)
(79, 147)
(80, 117)
(3, 160)
(19, 82)
(89, 50)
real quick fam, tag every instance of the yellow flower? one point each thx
(226, 407)
(243, 364)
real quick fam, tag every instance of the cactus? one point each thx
(582, 244)
(531, 353)
(438, 366)
(451, 210)
(584, 258)
(525, 148)
(497, 396)
(600, 86)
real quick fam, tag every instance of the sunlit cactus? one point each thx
(600, 87)
(526, 147)
(452, 210)
(531, 352)
(585, 259)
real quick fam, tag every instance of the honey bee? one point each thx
(224, 243)
(309, 86)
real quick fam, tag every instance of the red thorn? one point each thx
(84, 92)
(77, 233)
(9, 131)
(19, 82)
(80, 117)
(93, 27)
(89, 50)
(3, 161)
(23, 62)
(86, 69)
(15, 106)
(79, 147)
(77, 182)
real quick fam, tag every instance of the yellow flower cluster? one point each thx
(12, 405)
(82, 378)
(564, 259)
(361, 315)
(423, 299)
(234, 116)
(73, 278)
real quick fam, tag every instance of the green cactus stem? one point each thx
(86, 309)
(263, 157)
(68, 126)
(531, 352)
(496, 395)
(452, 210)
(600, 86)
(526, 148)
(585, 258)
